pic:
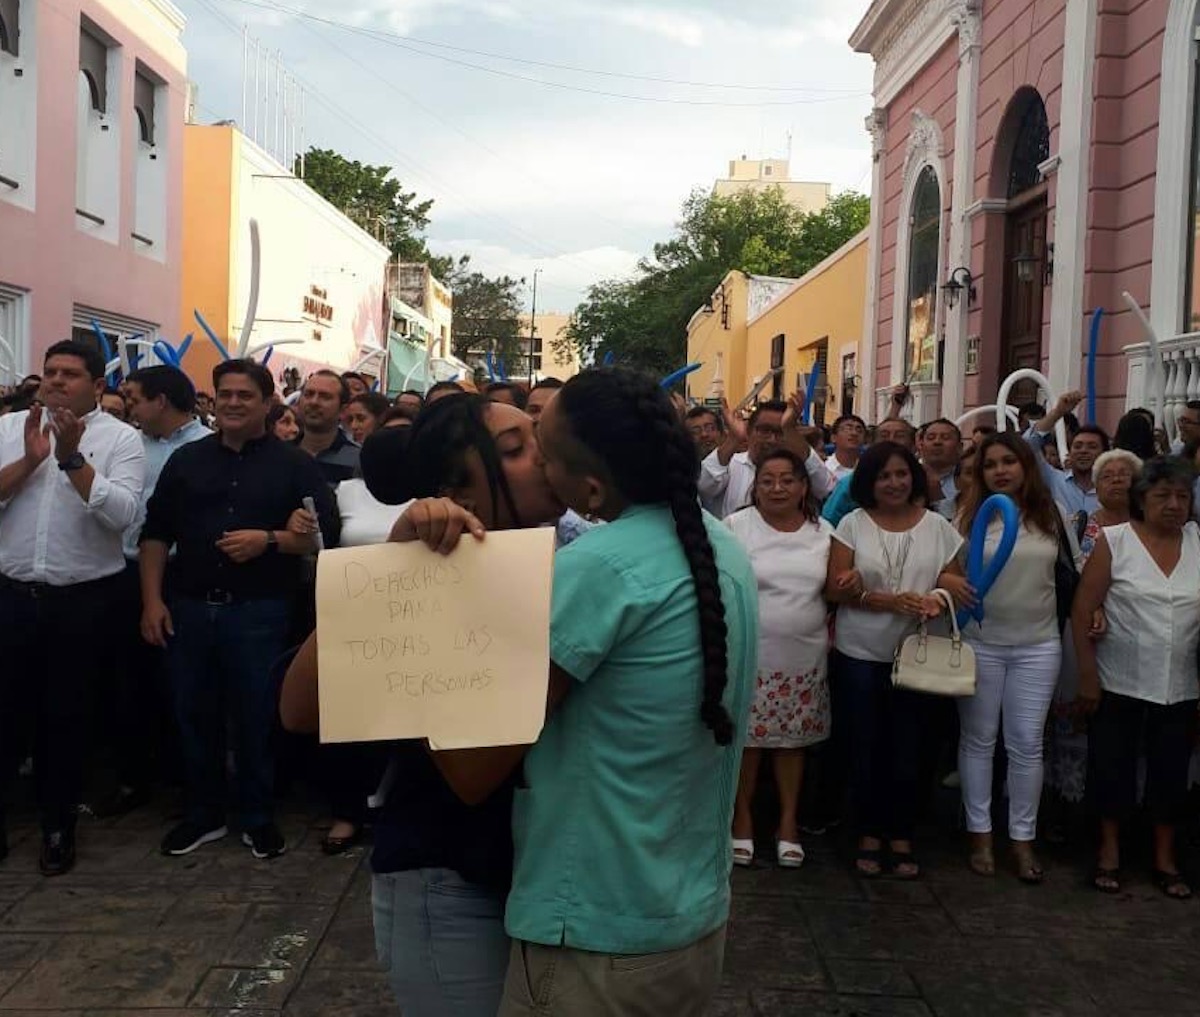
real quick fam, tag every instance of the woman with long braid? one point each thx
(621, 882)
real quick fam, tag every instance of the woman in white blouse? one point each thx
(886, 559)
(1018, 651)
(1140, 674)
(364, 503)
(788, 544)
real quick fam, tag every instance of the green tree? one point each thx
(373, 198)
(642, 321)
(487, 316)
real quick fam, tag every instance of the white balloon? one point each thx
(1029, 374)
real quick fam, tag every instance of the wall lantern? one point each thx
(1027, 264)
(960, 279)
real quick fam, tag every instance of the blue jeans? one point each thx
(220, 664)
(886, 725)
(441, 941)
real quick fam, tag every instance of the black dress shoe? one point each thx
(58, 853)
(121, 802)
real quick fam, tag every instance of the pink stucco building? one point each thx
(1042, 154)
(92, 104)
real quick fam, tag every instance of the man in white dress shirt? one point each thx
(848, 433)
(727, 474)
(70, 479)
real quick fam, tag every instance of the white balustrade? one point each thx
(1181, 356)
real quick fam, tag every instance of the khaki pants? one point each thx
(556, 981)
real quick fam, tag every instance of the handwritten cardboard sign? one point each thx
(456, 649)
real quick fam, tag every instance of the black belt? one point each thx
(46, 591)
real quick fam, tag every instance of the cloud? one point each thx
(677, 27)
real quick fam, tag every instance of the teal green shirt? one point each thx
(622, 834)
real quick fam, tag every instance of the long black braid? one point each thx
(626, 421)
(429, 457)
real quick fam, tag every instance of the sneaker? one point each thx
(265, 841)
(58, 853)
(187, 836)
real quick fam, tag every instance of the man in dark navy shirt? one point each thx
(231, 505)
(322, 401)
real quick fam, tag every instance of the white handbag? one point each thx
(937, 665)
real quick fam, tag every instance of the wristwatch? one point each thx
(272, 541)
(74, 461)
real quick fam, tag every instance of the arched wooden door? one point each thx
(1025, 252)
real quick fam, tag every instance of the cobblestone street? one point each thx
(132, 932)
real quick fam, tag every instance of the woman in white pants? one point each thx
(1018, 649)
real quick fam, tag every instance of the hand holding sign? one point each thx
(413, 644)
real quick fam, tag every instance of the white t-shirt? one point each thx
(790, 569)
(906, 562)
(1021, 608)
(364, 519)
(836, 469)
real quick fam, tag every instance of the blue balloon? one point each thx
(810, 392)
(980, 577)
(491, 366)
(183, 346)
(165, 353)
(211, 335)
(679, 375)
(267, 355)
(609, 358)
(1093, 346)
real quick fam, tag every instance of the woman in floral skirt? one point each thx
(788, 544)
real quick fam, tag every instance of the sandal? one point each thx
(743, 852)
(981, 860)
(1172, 884)
(789, 854)
(905, 858)
(868, 862)
(1106, 880)
(1029, 871)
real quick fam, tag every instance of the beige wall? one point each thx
(759, 174)
(547, 364)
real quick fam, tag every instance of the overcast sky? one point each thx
(528, 173)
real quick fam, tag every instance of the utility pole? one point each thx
(533, 323)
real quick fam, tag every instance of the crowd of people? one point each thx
(727, 587)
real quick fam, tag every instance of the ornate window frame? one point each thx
(1177, 122)
(926, 148)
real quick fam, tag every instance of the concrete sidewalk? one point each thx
(130, 932)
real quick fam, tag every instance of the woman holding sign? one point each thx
(442, 868)
(1017, 652)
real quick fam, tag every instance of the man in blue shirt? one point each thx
(162, 402)
(1072, 488)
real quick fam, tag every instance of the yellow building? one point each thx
(321, 284)
(817, 320)
(759, 174)
(717, 332)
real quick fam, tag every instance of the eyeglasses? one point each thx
(766, 431)
(769, 483)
